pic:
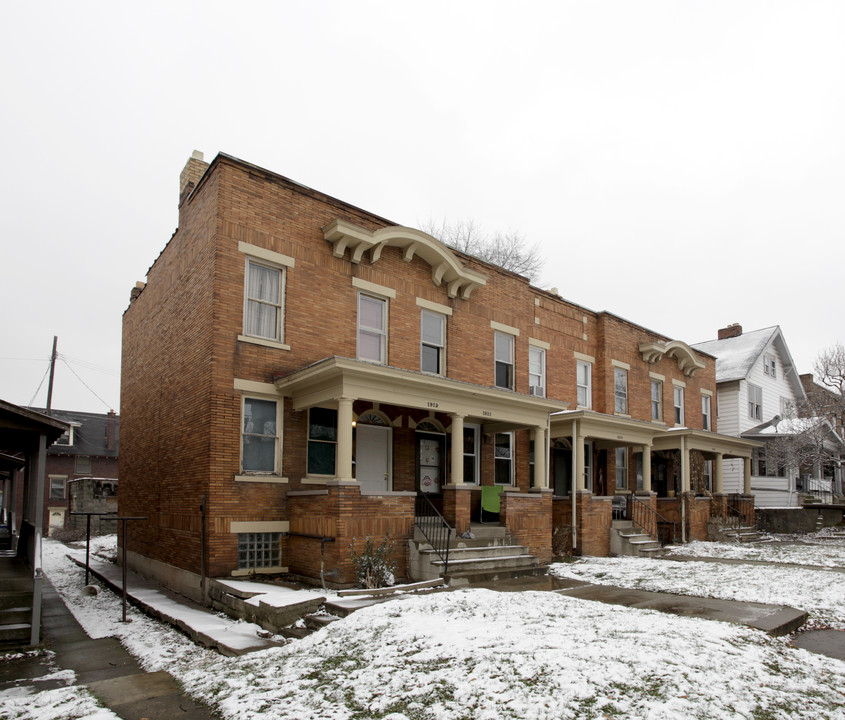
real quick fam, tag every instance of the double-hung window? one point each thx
(503, 461)
(656, 400)
(584, 380)
(755, 402)
(433, 342)
(504, 360)
(705, 412)
(322, 441)
(537, 371)
(259, 438)
(769, 365)
(264, 304)
(58, 484)
(620, 390)
(372, 328)
(679, 405)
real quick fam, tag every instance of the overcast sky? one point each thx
(682, 164)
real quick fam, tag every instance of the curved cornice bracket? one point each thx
(682, 353)
(445, 266)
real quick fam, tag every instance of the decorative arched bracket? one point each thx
(680, 351)
(445, 266)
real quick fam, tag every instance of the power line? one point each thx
(83, 382)
(43, 378)
(89, 365)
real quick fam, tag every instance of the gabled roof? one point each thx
(736, 356)
(90, 433)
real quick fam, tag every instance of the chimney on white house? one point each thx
(731, 331)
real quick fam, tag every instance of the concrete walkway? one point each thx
(103, 665)
(774, 619)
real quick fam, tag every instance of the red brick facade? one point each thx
(187, 367)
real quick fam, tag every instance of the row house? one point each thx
(298, 373)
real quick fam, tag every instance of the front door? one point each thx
(430, 451)
(562, 459)
(372, 458)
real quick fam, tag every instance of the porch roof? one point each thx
(703, 440)
(324, 382)
(618, 430)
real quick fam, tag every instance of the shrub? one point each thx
(374, 565)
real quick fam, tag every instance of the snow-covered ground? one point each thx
(482, 655)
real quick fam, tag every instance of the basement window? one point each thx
(259, 550)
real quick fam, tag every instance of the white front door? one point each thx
(372, 458)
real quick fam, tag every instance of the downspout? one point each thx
(573, 483)
(202, 549)
(683, 491)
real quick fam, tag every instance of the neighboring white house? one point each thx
(757, 385)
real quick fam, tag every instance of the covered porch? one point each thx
(394, 436)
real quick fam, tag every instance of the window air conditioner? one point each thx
(537, 390)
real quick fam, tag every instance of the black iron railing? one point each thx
(648, 519)
(434, 528)
(820, 489)
(739, 509)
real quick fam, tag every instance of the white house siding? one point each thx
(773, 492)
(773, 390)
(727, 421)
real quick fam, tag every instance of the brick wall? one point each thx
(528, 517)
(593, 519)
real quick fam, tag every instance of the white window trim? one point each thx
(275, 476)
(621, 368)
(512, 362)
(441, 347)
(542, 373)
(476, 445)
(623, 466)
(751, 405)
(588, 386)
(678, 387)
(507, 329)
(280, 329)
(50, 479)
(707, 418)
(434, 306)
(319, 476)
(659, 382)
(385, 321)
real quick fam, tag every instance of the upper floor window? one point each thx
(705, 412)
(83, 465)
(537, 371)
(755, 402)
(584, 380)
(259, 438)
(66, 438)
(679, 405)
(504, 360)
(58, 483)
(433, 342)
(656, 400)
(372, 328)
(264, 305)
(769, 365)
(322, 441)
(620, 390)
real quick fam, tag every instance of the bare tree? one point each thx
(829, 399)
(510, 250)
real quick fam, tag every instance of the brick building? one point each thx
(89, 449)
(297, 371)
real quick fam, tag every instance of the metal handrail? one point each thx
(816, 487)
(434, 528)
(738, 509)
(639, 513)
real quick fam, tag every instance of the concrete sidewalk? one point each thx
(774, 619)
(103, 666)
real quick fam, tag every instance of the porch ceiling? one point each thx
(616, 430)
(322, 383)
(707, 442)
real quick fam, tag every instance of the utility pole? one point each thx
(52, 370)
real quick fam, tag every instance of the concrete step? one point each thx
(422, 544)
(483, 564)
(477, 551)
(18, 598)
(474, 577)
(14, 633)
(15, 615)
(318, 621)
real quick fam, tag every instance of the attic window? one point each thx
(769, 365)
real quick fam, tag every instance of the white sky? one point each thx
(681, 163)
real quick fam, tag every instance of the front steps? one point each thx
(627, 539)
(15, 604)
(491, 555)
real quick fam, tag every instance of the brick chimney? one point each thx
(192, 172)
(731, 331)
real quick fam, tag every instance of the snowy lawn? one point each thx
(478, 654)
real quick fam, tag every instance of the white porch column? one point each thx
(541, 477)
(646, 468)
(685, 483)
(457, 477)
(343, 471)
(718, 475)
(746, 476)
(578, 454)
